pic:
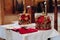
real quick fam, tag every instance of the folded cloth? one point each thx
(24, 30)
(16, 30)
(30, 30)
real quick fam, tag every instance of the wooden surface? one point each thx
(8, 6)
(55, 16)
(1, 12)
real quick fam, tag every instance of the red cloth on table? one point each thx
(24, 30)
(29, 30)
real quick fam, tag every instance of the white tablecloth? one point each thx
(40, 35)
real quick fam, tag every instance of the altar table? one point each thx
(39, 35)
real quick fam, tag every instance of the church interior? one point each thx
(29, 19)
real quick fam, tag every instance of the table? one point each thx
(40, 35)
(56, 38)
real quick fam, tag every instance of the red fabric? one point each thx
(24, 31)
(30, 30)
